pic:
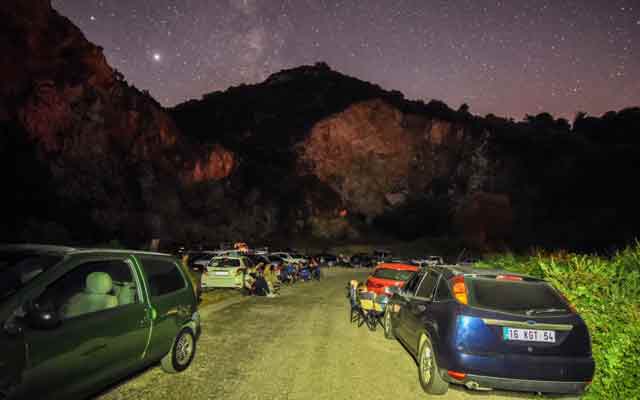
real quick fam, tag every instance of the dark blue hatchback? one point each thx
(490, 329)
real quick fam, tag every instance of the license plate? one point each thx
(528, 335)
(221, 273)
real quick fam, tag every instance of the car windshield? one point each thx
(393, 274)
(17, 268)
(514, 296)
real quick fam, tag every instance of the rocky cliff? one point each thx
(86, 158)
(338, 157)
(113, 159)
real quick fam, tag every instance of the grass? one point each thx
(606, 292)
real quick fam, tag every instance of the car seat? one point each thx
(93, 298)
(125, 292)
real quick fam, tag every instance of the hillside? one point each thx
(412, 169)
(309, 152)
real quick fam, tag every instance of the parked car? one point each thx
(428, 261)
(291, 257)
(390, 274)
(204, 258)
(327, 259)
(227, 271)
(77, 320)
(381, 255)
(198, 260)
(361, 260)
(490, 329)
(257, 258)
(275, 260)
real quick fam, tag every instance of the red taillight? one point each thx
(457, 375)
(509, 277)
(459, 290)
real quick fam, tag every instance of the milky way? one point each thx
(508, 57)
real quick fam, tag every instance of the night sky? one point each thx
(508, 57)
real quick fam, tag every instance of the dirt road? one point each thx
(296, 346)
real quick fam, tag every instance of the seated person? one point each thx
(260, 286)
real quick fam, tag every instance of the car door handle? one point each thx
(421, 307)
(94, 349)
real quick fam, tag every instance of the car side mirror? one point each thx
(44, 319)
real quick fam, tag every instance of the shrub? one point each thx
(606, 292)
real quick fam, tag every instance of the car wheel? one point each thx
(428, 372)
(388, 328)
(181, 354)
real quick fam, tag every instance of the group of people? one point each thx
(267, 278)
(263, 281)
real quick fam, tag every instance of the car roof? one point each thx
(228, 257)
(456, 269)
(66, 250)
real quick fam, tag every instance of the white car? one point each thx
(292, 258)
(227, 272)
(429, 261)
(206, 256)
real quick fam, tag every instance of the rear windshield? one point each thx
(225, 263)
(514, 296)
(394, 274)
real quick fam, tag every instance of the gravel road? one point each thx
(299, 345)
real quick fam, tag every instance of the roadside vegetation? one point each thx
(606, 292)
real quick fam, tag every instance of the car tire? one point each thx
(428, 371)
(388, 327)
(182, 352)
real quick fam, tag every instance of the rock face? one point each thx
(333, 154)
(110, 149)
(363, 153)
(376, 157)
(88, 158)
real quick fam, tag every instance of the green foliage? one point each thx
(606, 293)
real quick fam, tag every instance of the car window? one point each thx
(412, 284)
(443, 292)
(393, 274)
(247, 262)
(428, 285)
(163, 276)
(90, 287)
(513, 296)
(17, 268)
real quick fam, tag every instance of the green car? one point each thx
(74, 321)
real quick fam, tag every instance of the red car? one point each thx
(390, 274)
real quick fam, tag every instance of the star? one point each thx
(476, 48)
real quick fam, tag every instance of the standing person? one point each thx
(315, 268)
